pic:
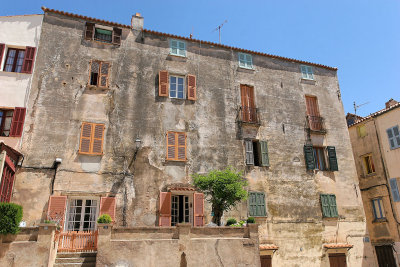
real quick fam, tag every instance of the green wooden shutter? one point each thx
(257, 204)
(332, 205)
(333, 165)
(249, 152)
(326, 212)
(261, 204)
(309, 156)
(264, 153)
(252, 203)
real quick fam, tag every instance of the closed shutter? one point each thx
(257, 206)
(309, 157)
(198, 209)
(171, 145)
(104, 71)
(27, 66)
(97, 143)
(92, 137)
(191, 81)
(165, 209)
(264, 153)
(2, 46)
(333, 165)
(332, 205)
(395, 190)
(107, 206)
(86, 134)
(248, 144)
(181, 146)
(326, 212)
(89, 31)
(17, 122)
(117, 36)
(163, 83)
(394, 137)
(56, 209)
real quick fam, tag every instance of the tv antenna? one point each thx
(357, 106)
(219, 29)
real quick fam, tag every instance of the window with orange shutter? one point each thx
(176, 146)
(99, 72)
(92, 135)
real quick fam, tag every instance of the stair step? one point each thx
(76, 254)
(88, 264)
(76, 260)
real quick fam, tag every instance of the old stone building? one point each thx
(376, 141)
(120, 117)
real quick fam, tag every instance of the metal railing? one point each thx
(77, 241)
(316, 123)
(248, 115)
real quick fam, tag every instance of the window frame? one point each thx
(395, 138)
(3, 119)
(317, 151)
(264, 205)
(178, 49)
(368, 163)
(176, 146)
(333, 210)
(245, 63)
(379, 202)
(103, 40)
(15, 60)
(91, 139)
(82, 220)
(307, 72)
(99, 75)
(176, 86)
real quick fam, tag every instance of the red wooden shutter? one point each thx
(27, 66)
(165, 209)
(181, 146)
(312, 106)
(97, 143)
(191, 85)
(7, 180)
(107, 206)
(171, 145)
(86, 136)
(56, 211)
(198, 209)
(163, 83)
(2, 46)
(17, 122)
(89, 31)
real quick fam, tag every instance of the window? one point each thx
(395, 190)
(377, 206)
(248, 108)
(362, 131)
(319, 157)
(82, 215)
(307, 72)
(18, 60)
(368, 164)
(245, 61)
(92, 135)
(257, 204)
(394, 137)
(176, 146)
(176, 87)
(12, 122)
(315, 121)
(328, 205)
(99, 71)
(315, 158)
(103, 34)
(177, 48)
(256, 153)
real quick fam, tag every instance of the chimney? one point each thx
(137, 22)
(390, 103)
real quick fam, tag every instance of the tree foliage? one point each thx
(10, 217)
(223, 189)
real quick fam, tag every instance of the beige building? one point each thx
(376, 147)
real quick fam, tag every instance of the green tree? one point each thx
(223, 189)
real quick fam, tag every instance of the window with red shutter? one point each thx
(2, 47)
(107, 206)
(17, 122)
(163, 83)
(14, 60)
(198, 209)
(176, 146)
(191, 85)
(56, 209)
(92, 136)
(27, 66)
(165, 209)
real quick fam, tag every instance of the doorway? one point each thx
(385, 256)
(181, 209)
(82, 214)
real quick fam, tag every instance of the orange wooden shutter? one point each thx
(98, 135)
(163, 83)
(2, 46)
(171, 145)
(86, 134)
(17, 122)
(56, 210)
(191, 85)
(103, 75)
(181, 148)
(107, 206)
(198, 209)
(165, 209)
(27, 65)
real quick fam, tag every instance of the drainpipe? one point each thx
(56, 163)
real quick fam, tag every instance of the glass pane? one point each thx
(182, 45)
(10, 59)
(389, 132)
(20, 61)
(396, 131)
(174, 44)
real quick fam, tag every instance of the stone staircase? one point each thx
(75, 259)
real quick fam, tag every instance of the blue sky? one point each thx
(361, 38)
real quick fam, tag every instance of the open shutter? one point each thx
(264, 153)
(309, 157)
(333, 165)
(17, 122)
(171, 145)
(89, 31)
(165, 209)
(198, 209)
(29, 57)
(107, 206)
(163, 83)
(86, 136)
(332, 205)
(56, 209)
(395, 190)
(181, 146)
(326, 212)
(98, 135)
(104, 71)
(252, 204)
(2, 47)
(117, 32)
(191, 80)
(248, 144)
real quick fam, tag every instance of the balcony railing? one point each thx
(248, 115)
(316, 124)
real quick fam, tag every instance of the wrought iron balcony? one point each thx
(316, 124)
(248, 115)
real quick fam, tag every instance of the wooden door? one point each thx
(385, 256)
(337, 260)
(248, 107)
(266, 261)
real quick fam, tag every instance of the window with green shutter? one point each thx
(394, 137)
(264, 153)
(328, 205)
(256, 153)
(257, 204)
(309, 157)
(248, 144)
(333, 165)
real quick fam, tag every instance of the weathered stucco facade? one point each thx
(378, 173)
(131, 108)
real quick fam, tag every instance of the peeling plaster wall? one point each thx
(60, 101)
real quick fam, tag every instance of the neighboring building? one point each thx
(19, 38)
(376, 147)
(120, 117)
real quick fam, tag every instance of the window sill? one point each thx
(15, 73)
(308, 81)
(100, 42)
(95, 87)
(370, 175)
(380, 220)
(174, 55)
(90, 154)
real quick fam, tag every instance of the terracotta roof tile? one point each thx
(375, 114)
(45, 9)
(338, 245)
(268, 247)
(182, 189)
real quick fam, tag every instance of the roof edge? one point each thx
(376, 114)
